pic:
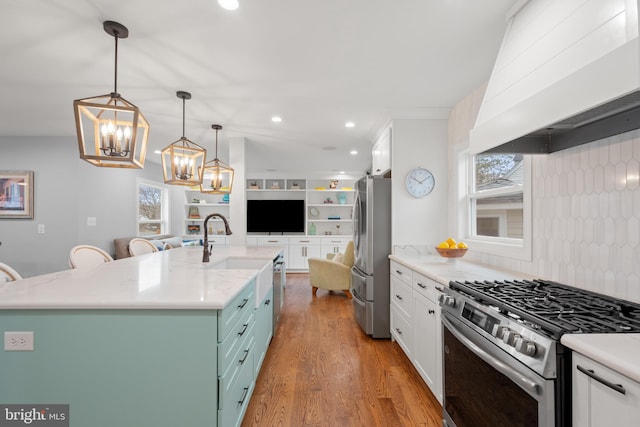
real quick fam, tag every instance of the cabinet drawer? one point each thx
(274, 241)
(402, 331)
(402, 297)
(304, 241)
(335, 241)
(425, 286)
(401, 272)
(236, 310)
(235, 394)
(232, 349)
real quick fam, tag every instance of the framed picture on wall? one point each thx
(16, 194)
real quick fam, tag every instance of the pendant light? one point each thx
(218, 176)
(182, 161)
(112, 132)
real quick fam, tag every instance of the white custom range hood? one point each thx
(568, 73)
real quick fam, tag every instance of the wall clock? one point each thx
(419, 182)
(314, 212)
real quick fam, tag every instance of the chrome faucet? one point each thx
(207, 250)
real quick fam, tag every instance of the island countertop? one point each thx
(173, 279)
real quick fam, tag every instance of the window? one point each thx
(153, 212)
(497, 204)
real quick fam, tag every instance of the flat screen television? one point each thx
(275, 216)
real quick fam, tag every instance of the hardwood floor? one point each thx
(322, 370)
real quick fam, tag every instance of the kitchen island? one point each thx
(155, 340)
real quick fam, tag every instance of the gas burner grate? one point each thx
(555, 308)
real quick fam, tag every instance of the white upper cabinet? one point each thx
(381, 154)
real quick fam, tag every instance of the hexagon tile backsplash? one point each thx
(586, 217)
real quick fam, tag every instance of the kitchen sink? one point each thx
(264, 281)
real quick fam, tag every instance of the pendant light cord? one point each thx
(183, 103)
(115, 72)
(216, 143)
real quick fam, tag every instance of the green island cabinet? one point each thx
(140, 367)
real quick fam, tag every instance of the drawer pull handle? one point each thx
(399, 272)
(399, 297)
(245, 391)
(244, 302)
(244, 329)
(439, 289)
(590, 373)
(431, 311)
(267, 302)
(246, 354)
(272, 241)
(421, 285)
(399, 331)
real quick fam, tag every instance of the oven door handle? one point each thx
(515, 376)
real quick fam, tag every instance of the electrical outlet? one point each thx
(91, 221)
(40, 228)
(18, 341)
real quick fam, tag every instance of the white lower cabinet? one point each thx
(300, 250)
(332, 245)
(415, 323)
(601, 396)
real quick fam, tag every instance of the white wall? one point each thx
(67, 190)
(586, 212)
(419, 142)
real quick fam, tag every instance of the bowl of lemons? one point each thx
(451, 249)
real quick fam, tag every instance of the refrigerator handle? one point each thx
(357, 217)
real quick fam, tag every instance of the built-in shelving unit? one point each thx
(196, 208)
(329, 203)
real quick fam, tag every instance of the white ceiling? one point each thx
(316, 63)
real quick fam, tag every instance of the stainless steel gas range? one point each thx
(504, 364)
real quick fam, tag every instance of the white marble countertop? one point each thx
(443, 270)
(173, 279)
(616, 351)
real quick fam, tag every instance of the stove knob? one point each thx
(525, 347)
(448, 300)
(498, 331)
(509, 337)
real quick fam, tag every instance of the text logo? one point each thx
(34, 415)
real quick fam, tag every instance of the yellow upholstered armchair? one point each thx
(333, 273)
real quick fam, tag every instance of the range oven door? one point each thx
(485, 386)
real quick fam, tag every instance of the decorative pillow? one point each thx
(174, 242)
(158, 244)
(338, 257)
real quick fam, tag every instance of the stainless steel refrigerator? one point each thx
(372, 243)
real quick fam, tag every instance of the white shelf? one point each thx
(202, 220)
(331, 220)
(331, 205)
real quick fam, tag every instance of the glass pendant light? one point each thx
(112, 132)
(218, 176)
(183, 161)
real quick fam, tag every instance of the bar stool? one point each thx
(87, 256)
(8, 274)
(138, 246)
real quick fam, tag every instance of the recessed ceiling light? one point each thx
(353, 152)
(349, 124)
(276, 119)
(228, 4)
(158, 152)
